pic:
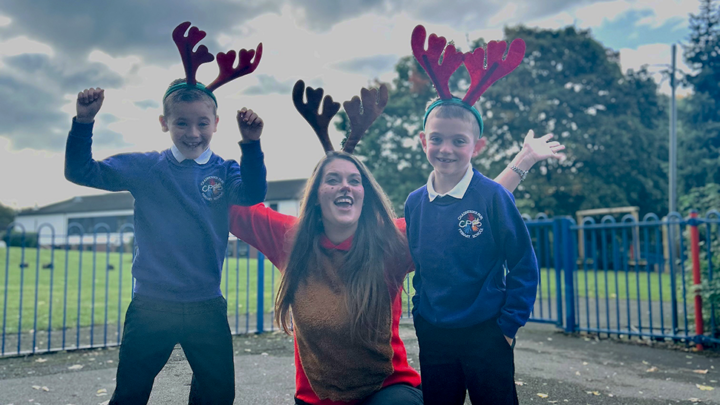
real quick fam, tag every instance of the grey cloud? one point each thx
(69, 77)
(269, 85)
(371, 66)
(138, 27)
(32, 90)
(143, 27)
(321, 15)
(145, 104)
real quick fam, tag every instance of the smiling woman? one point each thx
(343, 261)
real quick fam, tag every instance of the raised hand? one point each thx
(539, 149)
(250, 124)
(89, 102)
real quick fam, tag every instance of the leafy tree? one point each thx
(7, 215)
(568, 84)
(698, 116)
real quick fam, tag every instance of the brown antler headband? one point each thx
(372, 105)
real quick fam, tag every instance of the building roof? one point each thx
(92, 203)
(285, 190)
(277, 191)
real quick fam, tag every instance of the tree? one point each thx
(7, 215)
(568, 84)
(699, 129)
(702, 54)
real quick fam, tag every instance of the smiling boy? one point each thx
(182, 198)
(463, 228)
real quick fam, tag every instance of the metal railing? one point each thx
(623, 278)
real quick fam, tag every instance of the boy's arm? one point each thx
(522, 277)
(533, 151)
(248, 187)
(112, 174)
(264, 229)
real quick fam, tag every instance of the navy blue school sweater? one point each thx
(181, 210)
(459, 247)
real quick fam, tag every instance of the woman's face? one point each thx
(341, 195)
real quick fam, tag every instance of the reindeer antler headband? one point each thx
(193, 59)
(373, 103)
(482, 76)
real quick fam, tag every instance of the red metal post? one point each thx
(695, 252)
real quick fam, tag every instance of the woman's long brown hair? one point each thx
(376, 244)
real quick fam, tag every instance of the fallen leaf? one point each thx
(700, 371)
(40, 360)
(36, 387)
(704, 387)
(694, 400)
(577, 373)
(652, 369)
(102, 391)
(645, 362)
(542, 395)
(596, 393)
(46, 389)
(585, 363)
(75, 367)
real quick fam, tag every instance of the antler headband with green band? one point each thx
(482, 75)
(193, 59)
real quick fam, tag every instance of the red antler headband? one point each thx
(193, 59)
(372, 105)
(482, 76)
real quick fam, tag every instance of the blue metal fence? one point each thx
(66, 292)
(617, 278)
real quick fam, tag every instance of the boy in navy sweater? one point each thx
(182, 199)
(463, 229)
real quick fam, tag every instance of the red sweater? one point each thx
(269, 232)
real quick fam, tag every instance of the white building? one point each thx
(98, 217)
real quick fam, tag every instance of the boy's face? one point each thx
(191, 127)
(449, 144)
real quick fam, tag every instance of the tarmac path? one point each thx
(550, 368)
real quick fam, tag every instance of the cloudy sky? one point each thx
(50, 50)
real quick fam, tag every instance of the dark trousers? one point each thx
(477, 359)
(153, 328)
(396, 394)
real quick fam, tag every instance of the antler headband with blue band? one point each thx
(481, 77)
(193, 59)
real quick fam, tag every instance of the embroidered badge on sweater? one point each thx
(470, 225)
(211, 188)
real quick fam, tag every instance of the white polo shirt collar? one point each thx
(201, 160)
(458, 191)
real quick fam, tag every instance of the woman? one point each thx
(343, 261)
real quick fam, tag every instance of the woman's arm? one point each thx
(534, 150)
(264, 229)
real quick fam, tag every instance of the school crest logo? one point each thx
(212, 188)
(470, 224)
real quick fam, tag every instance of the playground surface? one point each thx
(551, 367)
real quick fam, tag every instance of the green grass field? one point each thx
(602, 284)
(239, 287)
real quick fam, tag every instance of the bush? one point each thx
(15, 239)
